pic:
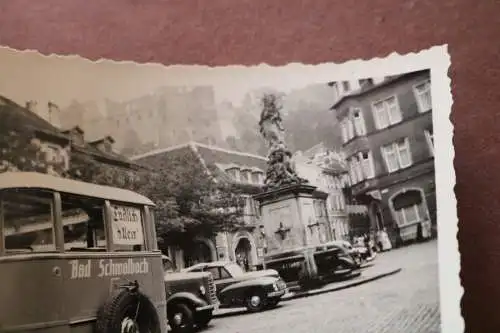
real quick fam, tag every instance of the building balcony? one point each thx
(356, 144)
(364, 186)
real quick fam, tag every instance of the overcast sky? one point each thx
(30, 76)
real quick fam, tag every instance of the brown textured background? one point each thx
(220, 32)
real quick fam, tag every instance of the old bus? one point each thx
(77, 257)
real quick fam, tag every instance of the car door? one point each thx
(225, 278)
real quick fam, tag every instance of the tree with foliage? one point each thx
(191, 201)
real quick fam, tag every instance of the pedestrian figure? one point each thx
(380, 245)
(367, 245)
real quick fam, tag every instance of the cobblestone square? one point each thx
(405, 302)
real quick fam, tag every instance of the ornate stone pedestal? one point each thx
(289, 217)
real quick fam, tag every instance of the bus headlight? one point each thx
(275, 286)
(202, 290)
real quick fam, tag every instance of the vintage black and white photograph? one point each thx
(296, 198)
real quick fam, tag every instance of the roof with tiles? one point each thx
(21, 116)
(153, 158)
(215, 155)
(210, 155)
(215, 159)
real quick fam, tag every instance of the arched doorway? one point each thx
(410, 211)
(243, 253)
(244, 250)
(200, 251)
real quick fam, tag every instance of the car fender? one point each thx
(186, 297)
(350, 263)
(242, 287)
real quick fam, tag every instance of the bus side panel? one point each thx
(159, 298)
(91, 279)
(32, 295)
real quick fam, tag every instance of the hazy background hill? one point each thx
(175, 115)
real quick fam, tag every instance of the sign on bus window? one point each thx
(126, 225)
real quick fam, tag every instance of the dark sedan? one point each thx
(255, 290)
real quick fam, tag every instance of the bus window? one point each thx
(83, 223)
(28, 221)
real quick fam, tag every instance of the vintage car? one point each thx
(256, 290)
(191, 298)
(311, 266)
(77, 257)
(352, 251)
(336, 258)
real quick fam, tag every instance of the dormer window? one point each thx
(257, 177)
(105, 145)
(246, 176)
(77, 135)
(234, 172)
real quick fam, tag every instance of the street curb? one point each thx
(345, 286)
(329, 290)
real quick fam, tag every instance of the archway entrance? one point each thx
(411, 213)
(199, 252)
(243, 253)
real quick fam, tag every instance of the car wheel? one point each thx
(180, 318)
(256, 300)
(203, 318)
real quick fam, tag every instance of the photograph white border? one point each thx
(436, 59)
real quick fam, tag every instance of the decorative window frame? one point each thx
(353, 110)
(395, 145)
(417, 96)
(375, 115)
(373, 173)
(430, 141)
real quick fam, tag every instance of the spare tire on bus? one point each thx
(128, 312)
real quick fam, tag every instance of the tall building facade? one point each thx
(326, 169)
(387, 138)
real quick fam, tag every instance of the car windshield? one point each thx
(234, 270)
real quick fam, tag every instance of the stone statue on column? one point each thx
(280, 171)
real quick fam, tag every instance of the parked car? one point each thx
(256, 290)
(77, 257)
(334, 259)
(191, 298)
(354, 252)
(312, 266)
